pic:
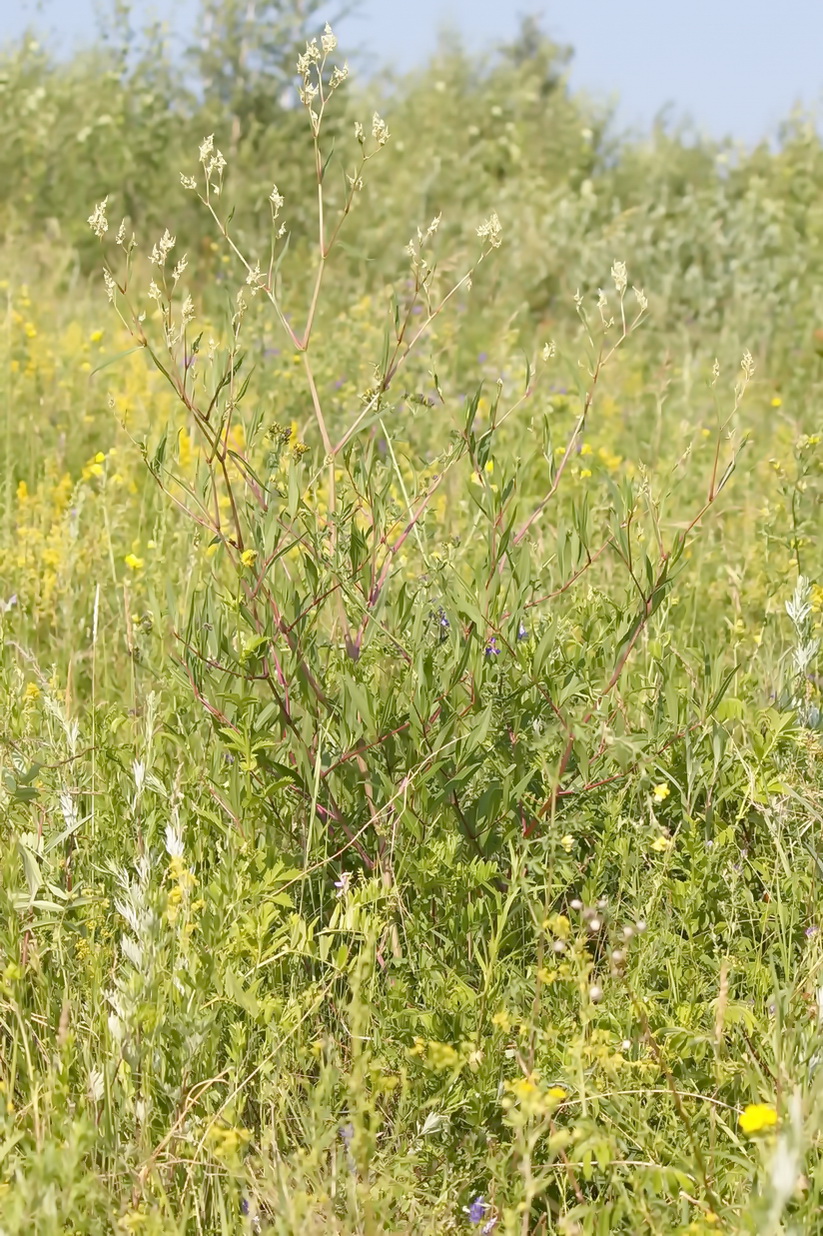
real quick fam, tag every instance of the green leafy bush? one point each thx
(409, 762)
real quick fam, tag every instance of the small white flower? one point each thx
(641, 298)
(215, 165)
(206, 147)
(328, 40)
(343, 884)
(491, 230)
(111, 286)
(162, 249)
(620, 277)
(339, 75)
(255, 278)
(98, 222)
(549, 350)
(188, 182)
(379, 130)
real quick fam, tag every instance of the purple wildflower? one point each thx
(523, 631)
(482, 357)
(342, 885)
(811, 931)
(493, 649)
(347, 1134)
(477, 1210)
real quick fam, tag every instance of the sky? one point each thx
(734, 67)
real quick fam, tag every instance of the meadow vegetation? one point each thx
(410, 592)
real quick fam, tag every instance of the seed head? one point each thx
(491, 230)
(162, 249)
(379, 130)
(328, 40)
(595, 993)
(98, 222)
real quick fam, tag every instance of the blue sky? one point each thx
(734, 66)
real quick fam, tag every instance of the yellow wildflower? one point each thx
(567, 843)
(661, 792)
(442, 1055)
(756, 1117)
(248, 557)
(557, 1093)
(558, 925)
(777, 402)
(133, 562)
(661, 843)
(503, 1020)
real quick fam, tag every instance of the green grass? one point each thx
(410, 733)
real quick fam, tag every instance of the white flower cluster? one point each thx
(98, 222)
(491, 231)
(162, 249)
(277, 200)
(212, 160)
